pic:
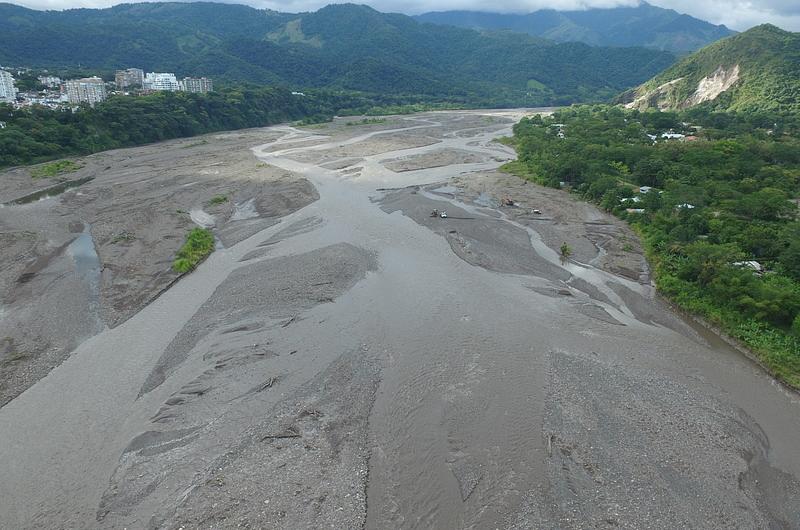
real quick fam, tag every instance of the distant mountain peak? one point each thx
(641, 25)
(341, 46)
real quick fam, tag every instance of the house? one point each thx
(645, 189)
(634, 210)
(751, 264)
(685, 206)
(672, 135)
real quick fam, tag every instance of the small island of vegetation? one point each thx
(199, 245)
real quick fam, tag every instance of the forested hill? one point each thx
(642, 25)
(340, 46)
(758, 70)
(717, 208)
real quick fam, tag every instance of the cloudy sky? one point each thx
(736, 14)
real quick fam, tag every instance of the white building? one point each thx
(197, 85)
(50, 81)
(160, 81)
(89, 90)
(8, 92)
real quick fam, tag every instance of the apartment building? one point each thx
(8, 92)
(89, 90)
(129, 78)
(161, 81)
(198, 85)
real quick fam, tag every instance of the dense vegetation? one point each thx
(339, 47)
(199, 244)
(642, 25)
(726, 196)
(768, 60)
(37, 134)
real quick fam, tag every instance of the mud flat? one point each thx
(353, 361)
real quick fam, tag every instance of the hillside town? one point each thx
(54, 92)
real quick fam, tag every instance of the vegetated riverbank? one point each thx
(711, 204)
(124, 121)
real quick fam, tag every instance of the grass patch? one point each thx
(366, 121)
(218, 199)
(522, 171)
(411, 108)
(194, 144)
(122, 237)
(199, 244)
(54, 169)
(318, 121)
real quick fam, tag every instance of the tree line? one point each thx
(724, 193)
(36, 134)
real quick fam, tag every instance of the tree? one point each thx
(565, 252)
(768, 204)
(705, 261)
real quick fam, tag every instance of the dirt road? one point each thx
(356, 362)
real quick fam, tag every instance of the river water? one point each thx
(477, 397)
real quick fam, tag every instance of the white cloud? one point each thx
(739, 14)
(736, 14)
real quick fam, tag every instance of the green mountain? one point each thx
(755, 70)
(644, 25)
(342, 46)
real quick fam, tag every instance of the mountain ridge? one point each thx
(644, 25)
(341, 46)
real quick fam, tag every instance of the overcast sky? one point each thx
(736, 14)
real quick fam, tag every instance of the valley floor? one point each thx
(345, 359)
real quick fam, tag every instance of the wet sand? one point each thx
(360, 363)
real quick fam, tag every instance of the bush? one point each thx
(199, 244)
(55, 168)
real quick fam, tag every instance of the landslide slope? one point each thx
(758, 70)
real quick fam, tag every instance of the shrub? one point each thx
(199, 244)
